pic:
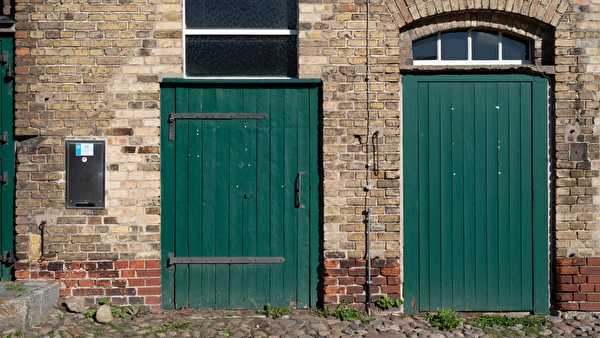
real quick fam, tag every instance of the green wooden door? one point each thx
(475, 178)
(7, 158)
(240, 185)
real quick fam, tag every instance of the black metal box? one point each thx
(85, 174)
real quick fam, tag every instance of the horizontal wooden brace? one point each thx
(224, 260)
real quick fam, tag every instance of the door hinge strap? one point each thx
(224, 260)
(173, 117)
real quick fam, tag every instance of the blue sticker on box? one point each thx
(84, 149)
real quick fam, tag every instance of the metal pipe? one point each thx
(368, 249)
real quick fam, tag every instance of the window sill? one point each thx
(546, 70)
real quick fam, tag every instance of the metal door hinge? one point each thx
(4, 137)
(8, 259)
(4, 58)
(210, 116)
(4, 178)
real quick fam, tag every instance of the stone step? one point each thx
(23, 304)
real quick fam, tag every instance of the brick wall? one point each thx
(578, 284)
(91, 70)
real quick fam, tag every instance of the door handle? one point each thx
(298, 191)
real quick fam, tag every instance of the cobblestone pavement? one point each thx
(188, 323)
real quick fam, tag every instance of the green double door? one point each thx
(240, 194)
(475, 182)
(7, 158)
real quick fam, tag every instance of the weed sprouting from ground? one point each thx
(386, 302)
(345, 312)
(530, 324)
(15, 288)
(274, 312)
(444, 319)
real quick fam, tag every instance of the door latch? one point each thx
(298, 191)
(8, 259)
(4, 137)
(10, 75)
(4, 58)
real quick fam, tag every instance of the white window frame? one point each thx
(226, 31)
(470, 61)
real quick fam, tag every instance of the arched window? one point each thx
(471, 47)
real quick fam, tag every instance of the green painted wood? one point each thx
(235, 195)
(475, 152)
(7, 156)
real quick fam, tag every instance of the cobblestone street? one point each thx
(188, 323)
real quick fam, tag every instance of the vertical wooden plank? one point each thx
(249, 287)
(291, 213)
(303, 221)
(504, 277)
(225, 190)
(492, 193)
(540, 193)
(425, 103)
(211, 214)
(457, 200)
(263, 199)
(277, 185)
(526, 195)
(410, 172)
(195, 197)
(435, 198)
(469, 173)
(181, 200)
(315, 188)
(167, 105)
(482, 114)
(514, 223)
(446, 193)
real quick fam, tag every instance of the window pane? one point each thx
(514, 48)
(485, 45)
(454, 46)
(425, 48)
(241, 55)
(241, 14)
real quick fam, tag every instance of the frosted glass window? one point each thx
(514, 48)
(241, 55)
(241, 14)
(425, 48)
(485, 45)
(454, 46)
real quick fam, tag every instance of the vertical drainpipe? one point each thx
(368, 184)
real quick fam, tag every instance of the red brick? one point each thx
(333, 289)
(103, 274)
(153, 264)
(153, 291)
(568, 306)
(567, 270)
(566, 279)
(392, 272)
(345, 280)
(565, 261)
(564, 296)
(330, 281)
(379, 280)
(127, 273)
(351, 290)
(593, 279)
(579, 297)
(86, 283)
(593, 261)
(567, 287)
(88, 292)
(137, 264)
(152, 300)
(586, 288)
(120, 265)
(393, 280)
(593, 297)
(590, 270)
(336, 272)
(589, 306)
(580, 279)
(390, 289)
(153, 282)
(136, 282)
(331, 264)
(148, 273)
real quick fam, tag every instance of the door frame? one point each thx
(168, 90)
(541, 180)
(7, 226)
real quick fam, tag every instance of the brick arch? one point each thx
(407, 12)
(541, 33)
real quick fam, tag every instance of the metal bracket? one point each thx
(173, 117)
(4, 178)
(4, 137)
(223, 260)
(8, 259)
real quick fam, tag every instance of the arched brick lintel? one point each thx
(407, 12)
